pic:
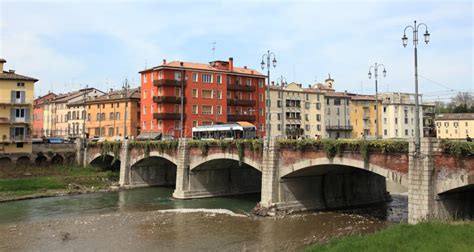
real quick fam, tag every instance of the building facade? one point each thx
(58, 112)
(455, 126)
(213, 93)
(364, 117)
(38, 114)
(296, 111)
(108, 115)
(16, 111)
(338, 115)
(398, 115)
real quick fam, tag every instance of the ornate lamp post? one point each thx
(267, 56)
(281, 81)
(415, 28)
(376, 69)
(125, 88)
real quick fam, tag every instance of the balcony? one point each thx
(237, 102)
(6, 120)
(14, 101)
(239, 87)
(366, 116)
(240, 117)
(168, 116)
(168, 83)
(338, 128)
(168, 99)
(20, 138)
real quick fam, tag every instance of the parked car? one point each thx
(54, 140)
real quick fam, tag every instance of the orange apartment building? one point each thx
(106, 114)
(214, 93)
(38, 112)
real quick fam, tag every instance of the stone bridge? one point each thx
(439, 185)
(41, 155)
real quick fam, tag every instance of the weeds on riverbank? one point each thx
(59, 180)
(421, 237)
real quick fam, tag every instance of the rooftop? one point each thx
(455, 116)
(11, 75)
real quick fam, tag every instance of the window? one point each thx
(195, 77)
(318, 106)
(117, 115)
(406, 120)
(160, 124)
(160, 75)
(261, 112)
(260, 97)
(279, 103)
(152, 109)
(446, 124)
(318, 127)
(207, 78)
(195, 109)
(396, 120)
(406, 132)
(97, 117)
(260, 83)
(385, 132)
(206, 110)
(144, 125)
(337, 101)
(111, 131)
(111, 116)
(144, 110)
(384, 109)
(195, 93)
(396, 132)
(176, 125)
(318, 117)
(219, 110)
(279, 116)
(88, 117)
(207, 94)
(279, 127)
(177, 75)
(20, 84)
(249, 82)
(219, 94)
(306, 117)
(307, 96)
(144, 94)
(306, 127)
(145, 80)
(152, 125)
(385, 121)
(306, 105)
(456, 124)
(195, 123)
(219, 79)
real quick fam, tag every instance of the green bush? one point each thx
(457, 149)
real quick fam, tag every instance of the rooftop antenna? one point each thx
(315, 79)
(213, 49)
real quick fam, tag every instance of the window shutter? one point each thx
(12, 133)
(13, 95)
(22, 95)
(12, 115)
(27, 115)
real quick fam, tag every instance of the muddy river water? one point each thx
(148, 219)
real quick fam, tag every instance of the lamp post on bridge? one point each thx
(125, 88)
(267, 56)
(415, 28)
(376, 69)
(281, 81)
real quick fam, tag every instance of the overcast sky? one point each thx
(68, 44)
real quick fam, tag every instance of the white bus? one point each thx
(228, 131)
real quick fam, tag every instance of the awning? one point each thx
(149, 136)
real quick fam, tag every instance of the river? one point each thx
(148, 219)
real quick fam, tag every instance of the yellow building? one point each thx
(363, 116)
(455, 126)
(106, 114)
(16, 111)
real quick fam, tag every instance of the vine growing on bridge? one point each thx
(334, 147)
(158, 145)
(107, 147)
(253, 145)
(458, 149)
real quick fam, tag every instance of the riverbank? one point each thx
(54, 181)
(421, 237)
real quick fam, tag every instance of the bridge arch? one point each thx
(200, 160)
(348, 162)
(454, 181)
(156, 169)
(106, 162)
(158, 154)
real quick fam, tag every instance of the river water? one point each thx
(148, 219)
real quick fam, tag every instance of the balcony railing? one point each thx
(168, 116)
(20, 138)
(240, 117)
(6, 120)
(237, 102)
(168, 99)
(338, 128)
(240, 87)
(15, 101)
(168, 83)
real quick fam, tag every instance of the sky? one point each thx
(70, 44)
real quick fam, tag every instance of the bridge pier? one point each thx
(182, 190)
(125, 169)
(270, 174)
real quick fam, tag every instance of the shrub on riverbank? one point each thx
(420, 237)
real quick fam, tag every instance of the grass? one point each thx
(421, 237)
(56, 181)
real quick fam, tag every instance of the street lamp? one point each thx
(281, 81)
(417, 105)
(125, 88)
(84, 118)
(262, 64)
(376, 69)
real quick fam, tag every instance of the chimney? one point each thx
(245, 67)
(273, 83)
(181, 63)
(231, 64)
(11, 71)
(2, 61)
(164, 61)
